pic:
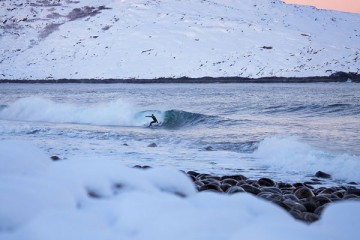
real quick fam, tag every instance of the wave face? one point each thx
(117, 113)
(176, 119)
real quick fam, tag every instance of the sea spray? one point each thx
(43, 110)
(291, 155)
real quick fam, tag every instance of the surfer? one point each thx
(154, 120)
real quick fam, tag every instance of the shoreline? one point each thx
(305, 201)
(336, 77)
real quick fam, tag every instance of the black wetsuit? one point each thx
(154, 119)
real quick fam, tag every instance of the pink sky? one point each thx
(340, 5)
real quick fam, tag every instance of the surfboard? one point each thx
(155, 125)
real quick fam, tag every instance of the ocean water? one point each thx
(284, 131)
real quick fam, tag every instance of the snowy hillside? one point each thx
(46, 39)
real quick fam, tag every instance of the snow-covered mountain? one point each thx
(53, 39)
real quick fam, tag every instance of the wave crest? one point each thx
(43, 110)
(117, 113)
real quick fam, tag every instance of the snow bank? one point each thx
(24, 198)
(18, 157)
(94, 199)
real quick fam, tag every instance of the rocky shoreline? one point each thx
(304, 201)
(335, 77)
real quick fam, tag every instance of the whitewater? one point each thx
(286, 132)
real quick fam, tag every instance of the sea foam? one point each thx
(43, 110)
(290, 154)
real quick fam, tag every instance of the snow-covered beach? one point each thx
(105, 200)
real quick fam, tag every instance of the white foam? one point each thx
(117, 112)
(289, 154)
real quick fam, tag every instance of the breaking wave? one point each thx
(117, 113)
(291, 155)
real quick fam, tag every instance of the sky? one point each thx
(339, 5)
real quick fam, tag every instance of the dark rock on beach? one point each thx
(266, 182)
(141, 167)
(212, 187)
(236, 177)
(321, 174)
(234, 189)
(152, 145)
(55, 158)
(303, 192)
(230, 181)
(209, 148)
(353, 191)
(251, 189)
(352, 183)
(193, 173)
